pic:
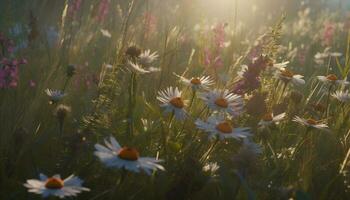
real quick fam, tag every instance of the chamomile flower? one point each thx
(332, 79)
(113, 155)
(280, 66)
(55, 186)
(218, 126)
(197, 83)
(341, 96)
(172, 102)
(288, 76)
(146, 58)
(320, 57)
(311, 123)
(269, 119)
(54, 95)
(211, 167)
(241, 72)
(223, 101)
(139, 69)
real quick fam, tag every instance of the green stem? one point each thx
(132, 103)
(210, 150)
(328, 97)
(189, 108)
(283, 90)
(301, 142)
(65, 84)
(167, 133)
(119, 183)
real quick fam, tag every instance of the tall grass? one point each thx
(85, 56)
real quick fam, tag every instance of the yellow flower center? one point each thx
(196, 81)
(267, 117)
(221, 102)
(311, 121)
(177, 102)
(224, 127)
(332, 77)
(287, 73)
(127, 153)
(54, 183)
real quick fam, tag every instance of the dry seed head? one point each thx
(62, 111)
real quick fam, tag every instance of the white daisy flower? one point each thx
(146, 58)
(319, 58)
(55, 95)
(281, 66)
(311, 123)
(269, 119)
(223, 100)
(172, 102)
(106, 33)
(113, 155)
(109, 66)
(55, 186)
(137, 68)
(197, 83)
(332, 79)
(288, 76)
(211, 167)
(218, 126)
(241, 72)
(335, 54)
(343, 97)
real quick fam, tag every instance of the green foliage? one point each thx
(85, 51)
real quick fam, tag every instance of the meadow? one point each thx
(174, 99)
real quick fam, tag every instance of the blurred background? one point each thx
(212, 37)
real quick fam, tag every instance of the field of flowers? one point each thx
(174, 99)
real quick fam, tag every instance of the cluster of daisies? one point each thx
(111, 154)
(223, 105)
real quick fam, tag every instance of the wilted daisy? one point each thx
(343, 97)
(312, 123)
(113, 155)
(55, 186)
(61, 113)
(54, 95)
(138, 68)
(332, 79)
(269, 119)
(197, 83)
(223, 100)
(172, 102)
(218, 126)
(288, 76)
(146, 58)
